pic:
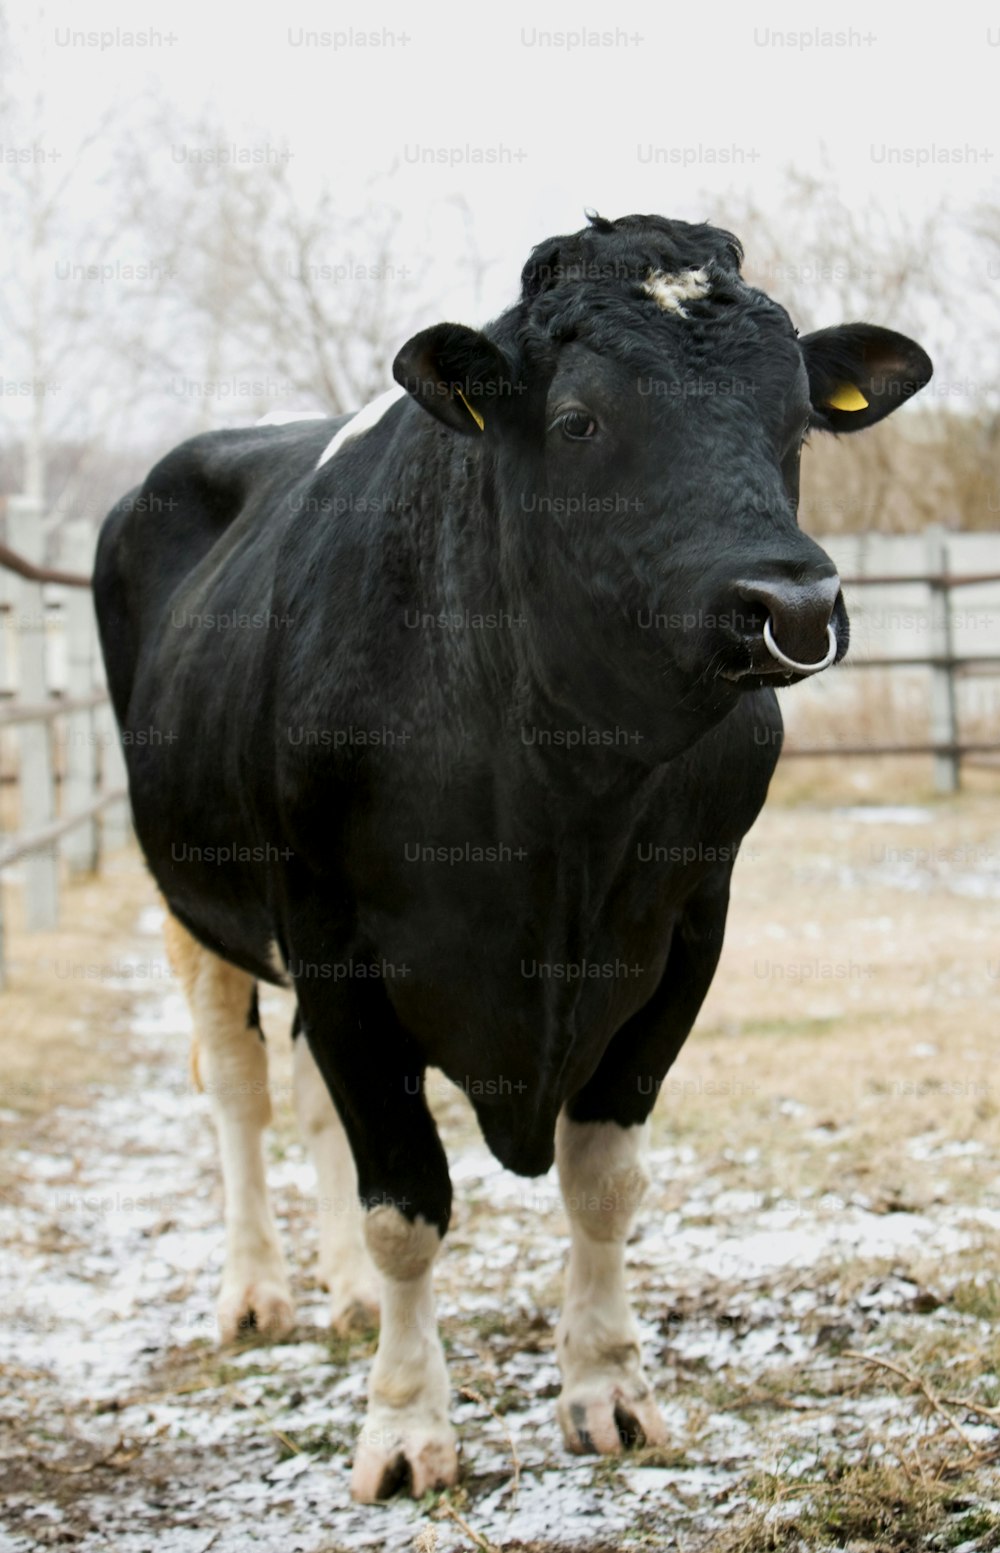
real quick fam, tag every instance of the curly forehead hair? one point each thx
(594, 286)
(628, 249)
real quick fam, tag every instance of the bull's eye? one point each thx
(577, 425)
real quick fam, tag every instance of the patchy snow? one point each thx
(109, 1267)
(151, 920)
(789, 1238)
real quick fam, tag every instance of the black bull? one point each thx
(459, 729)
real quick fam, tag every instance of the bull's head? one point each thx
(643, 410)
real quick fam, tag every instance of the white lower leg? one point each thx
(232, 1062)
(603, 1178)
(344, 1264)
(407, 1425)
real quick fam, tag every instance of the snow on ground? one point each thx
(123, 1426)
(111, 1271)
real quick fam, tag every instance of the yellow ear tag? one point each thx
(474, 413)
(847, 397)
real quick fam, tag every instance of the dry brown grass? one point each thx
(62, 1012)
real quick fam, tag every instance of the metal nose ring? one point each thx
(790, 663)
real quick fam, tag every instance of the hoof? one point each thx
(410, 1459)
(611, 1420)
(255, 1306)
(354, 1295)
(354, 1316)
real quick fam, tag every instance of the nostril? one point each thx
(799, 612)
(791, 665)
(749, 619)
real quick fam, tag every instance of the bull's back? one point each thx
(193, 545)
(162, 532)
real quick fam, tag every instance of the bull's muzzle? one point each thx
(797, 618)
(788, 625)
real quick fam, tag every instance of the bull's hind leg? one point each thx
(606, 1401)
(344, 1263)
(229, 1061)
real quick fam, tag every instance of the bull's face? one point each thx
(645, 411)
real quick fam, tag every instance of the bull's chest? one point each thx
(513, 941)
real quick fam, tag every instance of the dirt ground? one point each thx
(815, 1266)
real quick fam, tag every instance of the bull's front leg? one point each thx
(606, 1400)
(406, 1437)
(376, 1079)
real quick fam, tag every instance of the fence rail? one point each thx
(13, 851)
(19, 564)
(48, 711)
(946, 744)
(72, 815)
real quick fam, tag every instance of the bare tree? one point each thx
(271, 284)
(63, 273)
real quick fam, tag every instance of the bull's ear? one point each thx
(859, 373)
(457, 374)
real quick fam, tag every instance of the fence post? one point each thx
(7, 599)
(35, 778)
(8, 742)
(944, 712)
(79, 846)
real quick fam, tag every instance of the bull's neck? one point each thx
(532, 667)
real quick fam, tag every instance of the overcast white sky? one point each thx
(693, 80)
(680, 105)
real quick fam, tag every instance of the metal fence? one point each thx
(69, 768)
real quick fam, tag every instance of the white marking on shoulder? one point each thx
(671, 291)
(363, 421)
(283, 417)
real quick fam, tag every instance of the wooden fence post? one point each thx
(944, 711)
(8, 741)
(35, 778)
(79, 845)
(7, 591)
